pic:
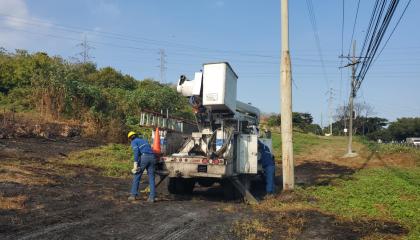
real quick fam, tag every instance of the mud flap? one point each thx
(162, 178)
(162, 184)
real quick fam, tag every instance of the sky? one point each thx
(129, 36)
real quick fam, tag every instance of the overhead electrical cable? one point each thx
(312, 19)
(376, 37)
(354, 24)
(381, 17)
(393, 30)
(160, 43)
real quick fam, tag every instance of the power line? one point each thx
(342, 48)
(393, 30)
(369, 29)
(354, 25)
(151, 51)
(342, 27)
(132, 38)
(381, 16)
(376, 36)
(312, 19)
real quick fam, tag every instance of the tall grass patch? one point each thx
(301, 141)
(114, 160)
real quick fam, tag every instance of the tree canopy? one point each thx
(301, 121)
(56, 88)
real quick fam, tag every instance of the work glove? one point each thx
(135, 168)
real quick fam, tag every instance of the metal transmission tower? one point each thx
(162, 65)
(330, 92)
(84, 54)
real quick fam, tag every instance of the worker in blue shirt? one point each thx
(268, 165)
(144, 158)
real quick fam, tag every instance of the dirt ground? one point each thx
(40, 198)
(43, 199)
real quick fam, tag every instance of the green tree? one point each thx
(404, 128)
(302, 120)
(110, 78)
(274, 120)
(104, 98)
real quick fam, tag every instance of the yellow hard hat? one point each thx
(131, 133)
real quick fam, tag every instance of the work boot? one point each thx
(132, 198)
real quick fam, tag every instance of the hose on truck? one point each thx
(219, 153)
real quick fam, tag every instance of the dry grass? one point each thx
(228, 208)
(34, 117)
(332, 149)
(22, 175)
(252, 230)
(377, 236)
(282, 216)
(12, 203)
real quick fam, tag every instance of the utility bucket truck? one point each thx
(225, 148)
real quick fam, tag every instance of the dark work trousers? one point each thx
(147, 162)
(270, 173)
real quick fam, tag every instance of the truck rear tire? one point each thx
(181, 185)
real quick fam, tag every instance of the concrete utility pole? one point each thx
(286, 102)
(352, 95)
(353, 63)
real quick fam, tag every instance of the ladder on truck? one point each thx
(166, 122)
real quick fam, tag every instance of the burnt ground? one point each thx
(40, 198)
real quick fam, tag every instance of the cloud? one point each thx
(15, 22)
(19, 10)
(14, 15)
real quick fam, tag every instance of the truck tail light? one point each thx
(212, 161)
